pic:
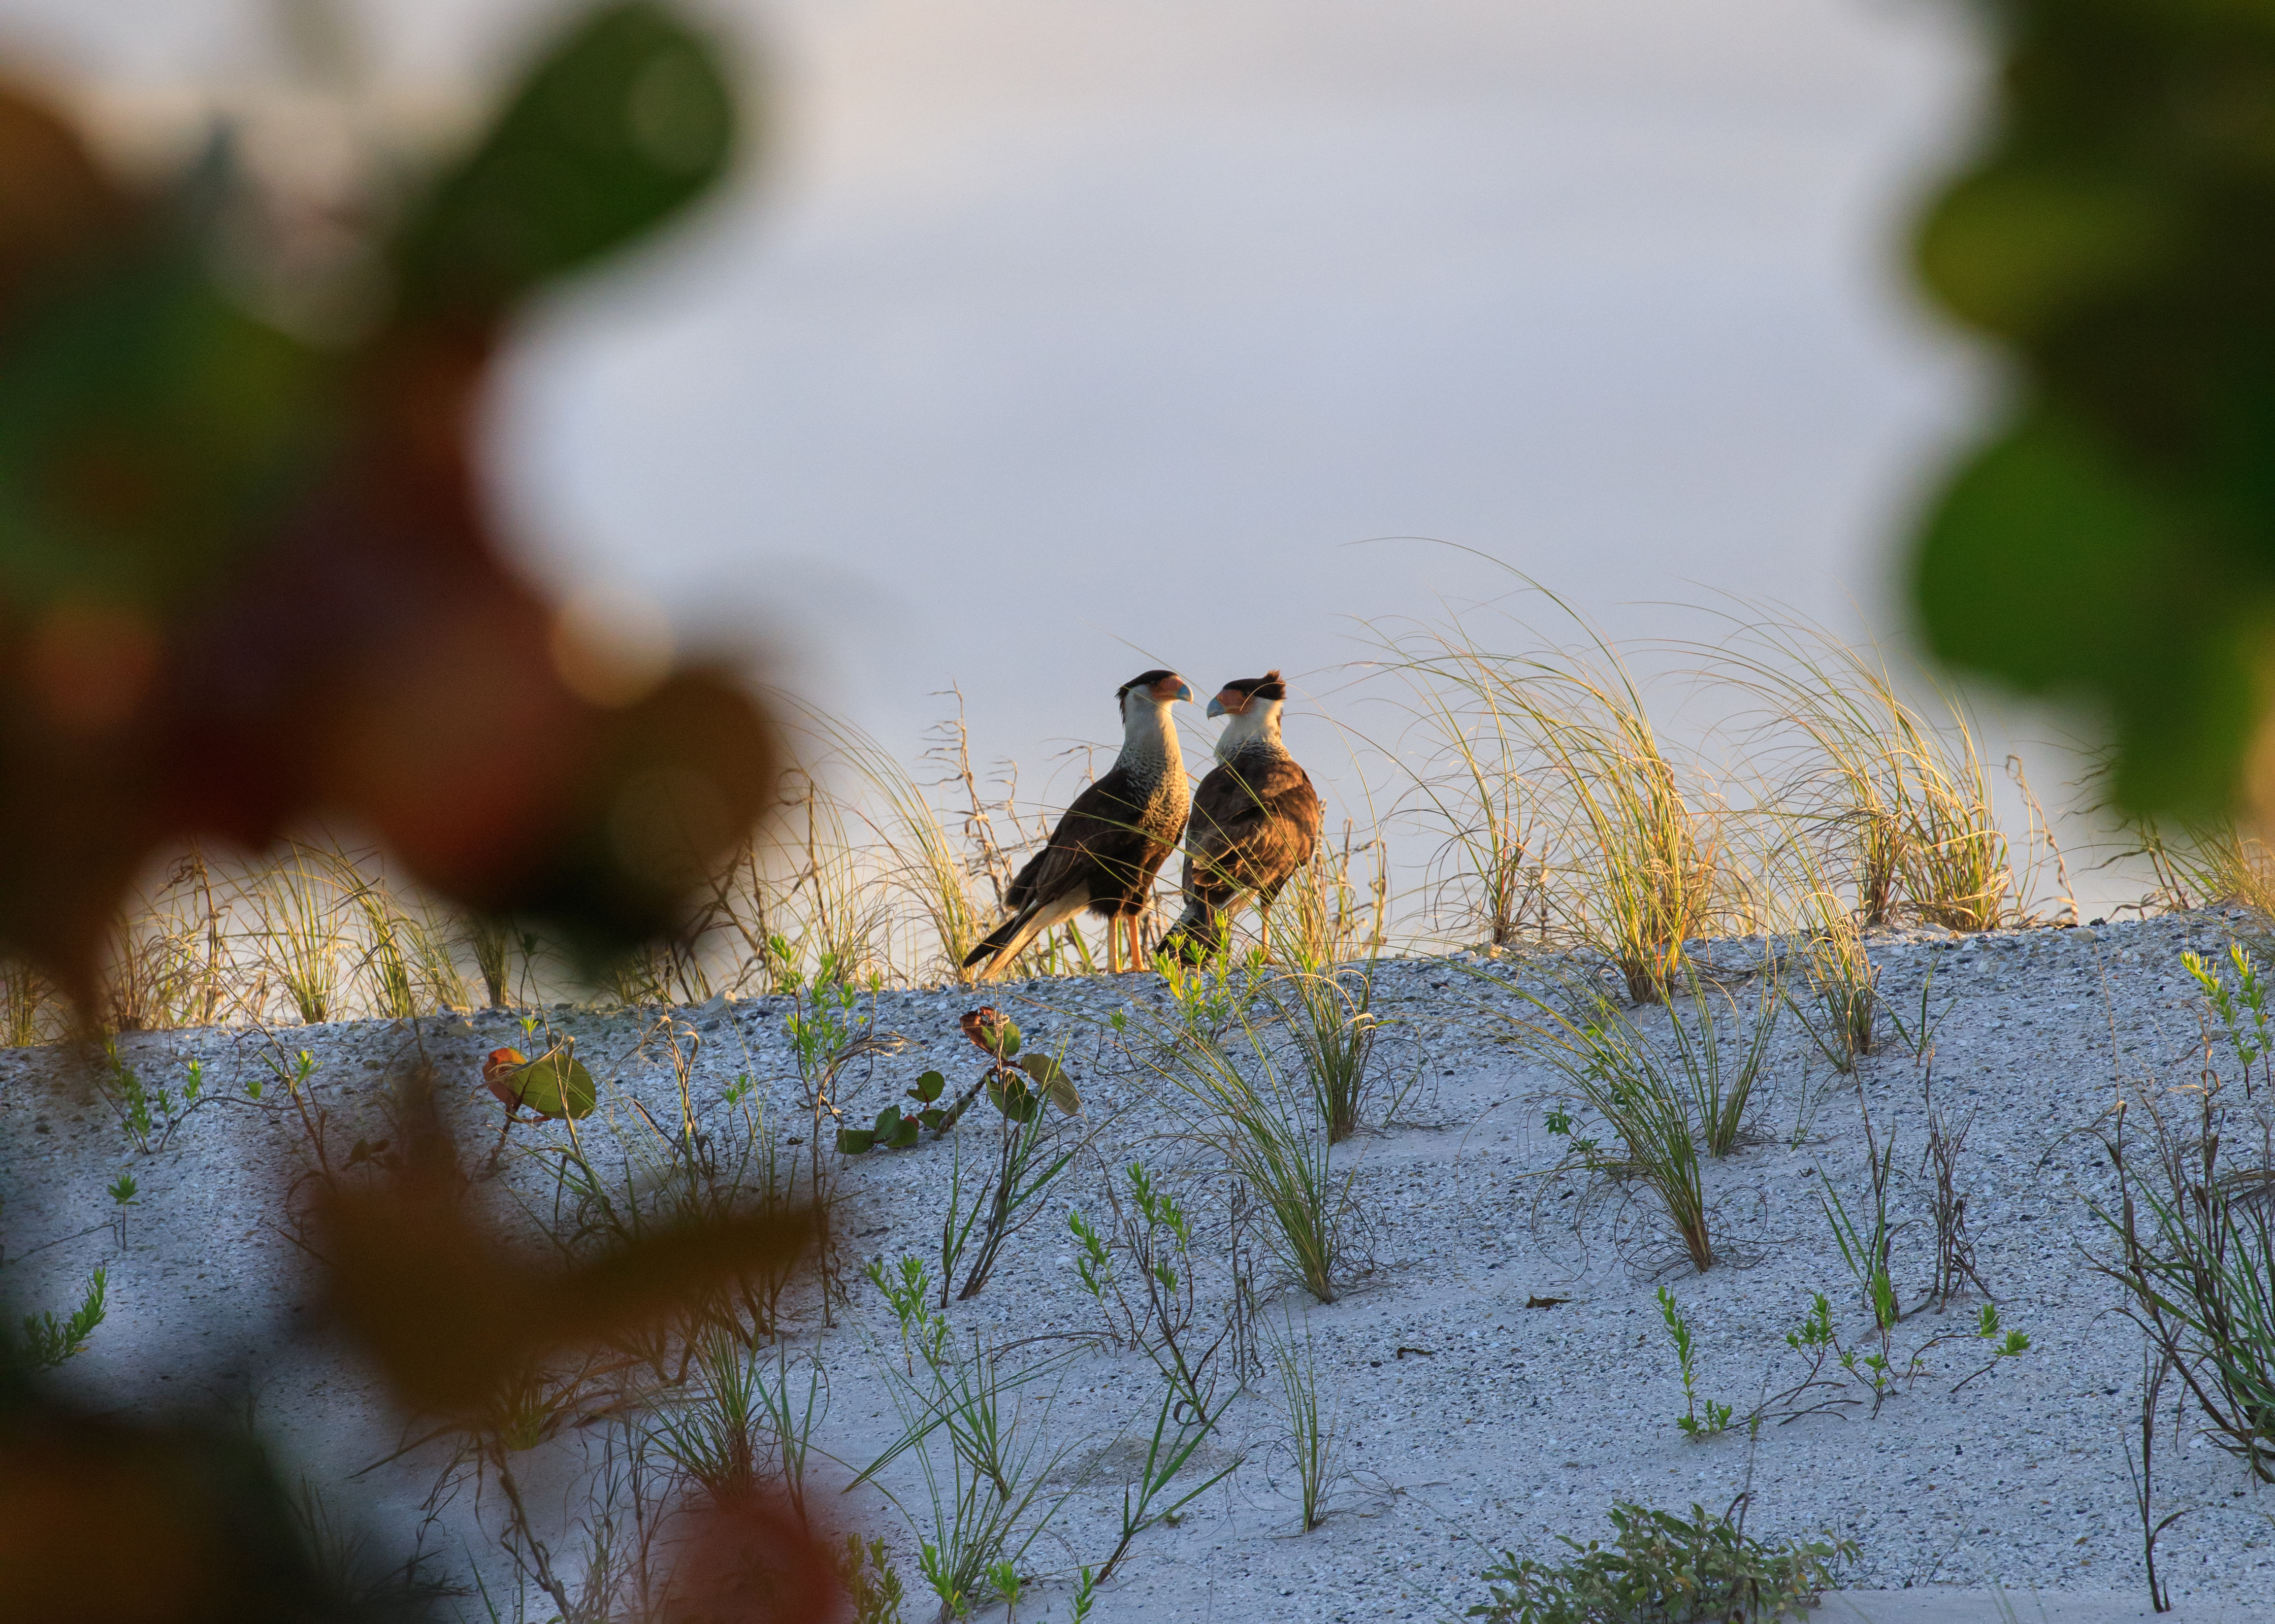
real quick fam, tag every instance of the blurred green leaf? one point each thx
(2016, 250)
(854, 1141)
(2111, 542)
(619, 126)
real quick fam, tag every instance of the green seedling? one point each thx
(124, 1189)
(926, 1092)
(2242, 1011)
(1003, 1577)
(49, 1341)
(871, 1584)
(907, 1287)
(937, 1570)
(1718, 1416)
(1086, 1597)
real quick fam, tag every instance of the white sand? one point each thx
(1516, 1425)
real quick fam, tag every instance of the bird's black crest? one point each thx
(1144, 679)
(1267, 686)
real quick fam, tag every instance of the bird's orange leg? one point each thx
(1113, 944)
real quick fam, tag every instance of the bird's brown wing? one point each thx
(1253, 824)
(1099, 826)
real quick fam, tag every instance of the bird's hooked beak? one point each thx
(1216, 706)
(1186, 692)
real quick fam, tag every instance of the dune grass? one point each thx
(1534, 801)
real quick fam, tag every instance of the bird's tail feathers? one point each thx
(1002, 946)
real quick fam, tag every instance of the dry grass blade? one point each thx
(296, 899)
(1903, 791)
(1639, 865)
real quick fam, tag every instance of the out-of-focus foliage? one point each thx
(422, 1280)
(2113, 540)
(247, 576)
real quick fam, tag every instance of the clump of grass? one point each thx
(1330, 1019)
(1324, 916)
(1647, 869)
(296, 902)
(1661, 1568)
(1900, 788)
(1665, 1100)
(1271, 1124)
(1836, 996)
(28, 1013)
(1313, 1455)
(2192, 1243)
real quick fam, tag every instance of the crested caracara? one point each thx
(1256, 820)
(1112, 841)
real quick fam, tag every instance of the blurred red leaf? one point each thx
(245, 580)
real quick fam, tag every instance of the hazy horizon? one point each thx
(1044, 343)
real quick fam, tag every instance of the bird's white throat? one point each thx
(1148, 735)
(1257, 728)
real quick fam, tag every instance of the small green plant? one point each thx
(49, 1341)
(122, 1189)
(2242, 1009)
(1875, 1365)
(151, 1116)
(1155, 1230)
(1028, 1157)
(1210, 997)
(871, 1584)
(1661, 1568)
(907, 1289)
(1085, 1595)
(1718, 1416)
(1004, 1579)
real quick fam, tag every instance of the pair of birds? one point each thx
(1254, 821)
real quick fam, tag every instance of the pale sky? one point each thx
(1050, 340)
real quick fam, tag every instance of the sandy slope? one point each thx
(1511, 1425)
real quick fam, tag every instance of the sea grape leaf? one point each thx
(1052, 1078)
(854, 1141)
(1011, 1096)
(555, 1085)
(928, 1087)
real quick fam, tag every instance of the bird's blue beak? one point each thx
(1186, 692)
(1216, 707)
